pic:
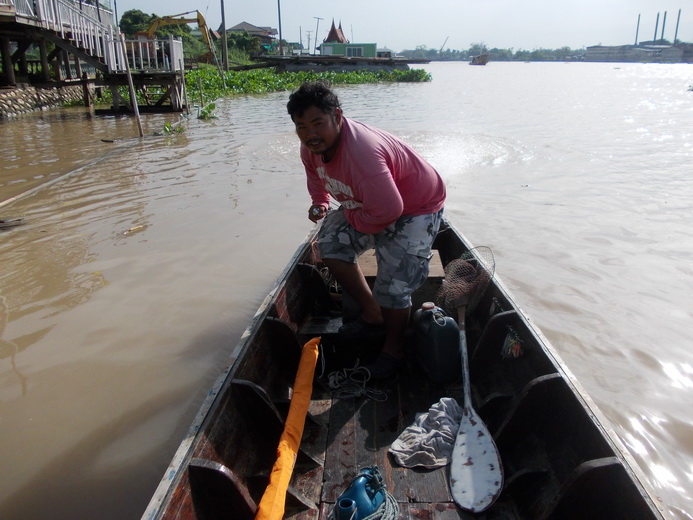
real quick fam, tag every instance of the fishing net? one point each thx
(466, 279)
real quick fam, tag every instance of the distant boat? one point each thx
(481, 59)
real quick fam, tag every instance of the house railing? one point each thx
(146, 55)
(94, 31)
(34, 67)
(41, 10)
(84, 25)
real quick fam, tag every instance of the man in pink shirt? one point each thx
(390, 199)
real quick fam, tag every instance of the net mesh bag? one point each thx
(465, 280)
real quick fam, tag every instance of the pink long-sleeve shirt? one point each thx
(375, 176)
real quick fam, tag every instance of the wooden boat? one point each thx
(480, 59)
(11, 222)
(560, 458)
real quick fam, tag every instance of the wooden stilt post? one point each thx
(85, 90)
(115, 98)
(133, 96)
(185, 89)
(7, 66)
(23, 64)
(45, 68)
(202, 101)
(66, 64)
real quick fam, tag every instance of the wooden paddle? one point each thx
(476, 471)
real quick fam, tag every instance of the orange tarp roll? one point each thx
(273, 500)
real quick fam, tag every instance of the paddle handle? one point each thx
(466, 385)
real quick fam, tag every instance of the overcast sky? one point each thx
(406, 24)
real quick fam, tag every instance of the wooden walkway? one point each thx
(86, 37)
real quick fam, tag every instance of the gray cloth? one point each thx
(429, 441)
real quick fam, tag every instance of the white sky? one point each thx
(406, 24)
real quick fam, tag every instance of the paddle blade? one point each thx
(476, 473)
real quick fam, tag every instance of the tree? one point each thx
(500, 54)
(244, 42)
(477, 48)
(134, 21)
(562, 54)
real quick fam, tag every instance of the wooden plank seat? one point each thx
(369, 265)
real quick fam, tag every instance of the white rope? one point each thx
(388, 510)
(349, 383)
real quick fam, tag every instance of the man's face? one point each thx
(319, 131)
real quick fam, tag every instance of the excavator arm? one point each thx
(175, 20)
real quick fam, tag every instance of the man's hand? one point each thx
(317, 212)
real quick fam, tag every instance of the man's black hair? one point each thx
(312, 94)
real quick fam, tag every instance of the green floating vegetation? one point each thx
(207, 112)
(210, 84)
(171, 128)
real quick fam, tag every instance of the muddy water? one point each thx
(140, 262)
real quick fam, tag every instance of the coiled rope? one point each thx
(348, 383)
(388, 510)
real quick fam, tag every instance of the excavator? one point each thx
(150, 32)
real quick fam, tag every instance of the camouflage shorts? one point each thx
(402, 251)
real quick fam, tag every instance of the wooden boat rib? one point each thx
(560, 458)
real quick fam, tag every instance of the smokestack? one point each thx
(676, 32)
(664, 22)
(654, 38)
(637, 29)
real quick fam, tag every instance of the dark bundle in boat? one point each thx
(480, 59)
(560, 459)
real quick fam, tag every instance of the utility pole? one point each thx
(279, 11)
(224, 43)
(316, 32)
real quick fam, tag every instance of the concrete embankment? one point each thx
(25, 98)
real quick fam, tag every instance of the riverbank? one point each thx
(204, 86)
(23, 99)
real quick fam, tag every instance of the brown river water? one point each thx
(140, 262)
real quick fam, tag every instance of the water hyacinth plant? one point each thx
(208, 83)
(205, 85)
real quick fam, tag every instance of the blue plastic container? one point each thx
(362, 498)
